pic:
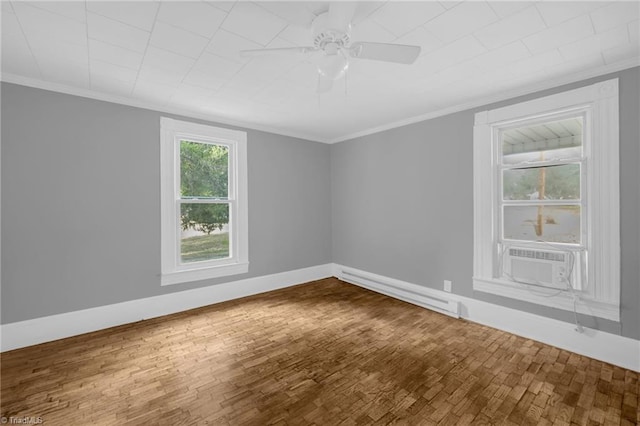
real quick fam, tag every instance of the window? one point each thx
(204, 202)
(546, 201)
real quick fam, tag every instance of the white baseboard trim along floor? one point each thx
(611, 348)
(39, 330)
(607, 347)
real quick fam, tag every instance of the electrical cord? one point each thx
(567, 280)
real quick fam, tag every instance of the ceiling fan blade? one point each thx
(399, 53)
(324, 83)
(340, 15)
(278, 51)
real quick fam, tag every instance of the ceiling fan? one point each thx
(332, 43)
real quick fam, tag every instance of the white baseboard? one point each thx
(415, 294)
(607, 347)
(39, 330)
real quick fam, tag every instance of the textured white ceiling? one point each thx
(183, 56)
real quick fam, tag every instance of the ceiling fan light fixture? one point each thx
(332, 46)
(332, 66)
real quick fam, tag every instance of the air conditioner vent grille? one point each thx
(534, 254)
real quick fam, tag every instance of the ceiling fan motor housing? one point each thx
(331, 38)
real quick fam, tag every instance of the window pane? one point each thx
(558, 224)
(553, 140)
(542, 183)
(205, 232)
(204, 170)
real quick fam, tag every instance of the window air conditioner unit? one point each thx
(543, 268)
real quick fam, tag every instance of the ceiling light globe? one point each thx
(333, 66)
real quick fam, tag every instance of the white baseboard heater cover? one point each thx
(414, 294)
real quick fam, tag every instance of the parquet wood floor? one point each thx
(323, 353)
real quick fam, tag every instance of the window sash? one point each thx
(180, 265)
(173, 271)
(231, 175)
(582, 112)
(499, 196)
(500, 167)
(537, 164)
(230, 200)
(543, 242)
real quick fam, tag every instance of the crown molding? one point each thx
(122, 100)
(498, 97)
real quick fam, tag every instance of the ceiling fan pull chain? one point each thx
(346, 75)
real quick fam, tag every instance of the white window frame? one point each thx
(172, 132)
(601, 188)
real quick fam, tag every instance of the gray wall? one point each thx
(403, 205)
(81, 204)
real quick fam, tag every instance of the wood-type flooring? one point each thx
(323, 353)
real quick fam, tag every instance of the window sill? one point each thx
(204, 273)
(539, 296)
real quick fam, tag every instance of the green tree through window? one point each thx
(204, 174)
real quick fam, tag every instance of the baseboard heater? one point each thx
(411, 293)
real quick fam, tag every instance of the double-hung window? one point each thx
(546, 201)
(204, 202)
